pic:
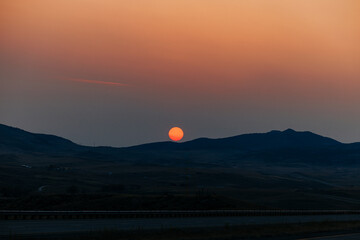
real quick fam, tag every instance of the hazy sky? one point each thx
(120, 73)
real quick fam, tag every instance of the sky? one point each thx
(121, 73)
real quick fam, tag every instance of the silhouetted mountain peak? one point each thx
(289, 130)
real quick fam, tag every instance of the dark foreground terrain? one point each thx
(275, 170)
(298, 231)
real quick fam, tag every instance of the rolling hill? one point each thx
(278, 147)
(16, 139)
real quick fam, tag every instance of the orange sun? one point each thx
(176, 134)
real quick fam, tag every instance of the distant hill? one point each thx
(15, 139)
(270, 140)
(288, 146)
(256, 141)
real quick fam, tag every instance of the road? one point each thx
(352, 236)
(67, 226)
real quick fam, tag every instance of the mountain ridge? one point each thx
(18, 139)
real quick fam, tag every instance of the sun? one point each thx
(176, 134)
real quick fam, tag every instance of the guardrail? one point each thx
(48, 215)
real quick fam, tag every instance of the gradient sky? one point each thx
(121, 73)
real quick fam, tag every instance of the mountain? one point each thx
(271, 140)
(287, 147)
(281, 147)
(14, 139)
(258, 141)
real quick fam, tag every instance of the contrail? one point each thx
(96, 82)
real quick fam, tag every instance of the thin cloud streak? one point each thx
(97, 82)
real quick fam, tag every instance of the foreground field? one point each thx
(311, 230)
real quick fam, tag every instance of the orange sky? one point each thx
(282, 55)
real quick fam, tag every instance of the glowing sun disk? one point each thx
(176, 134)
